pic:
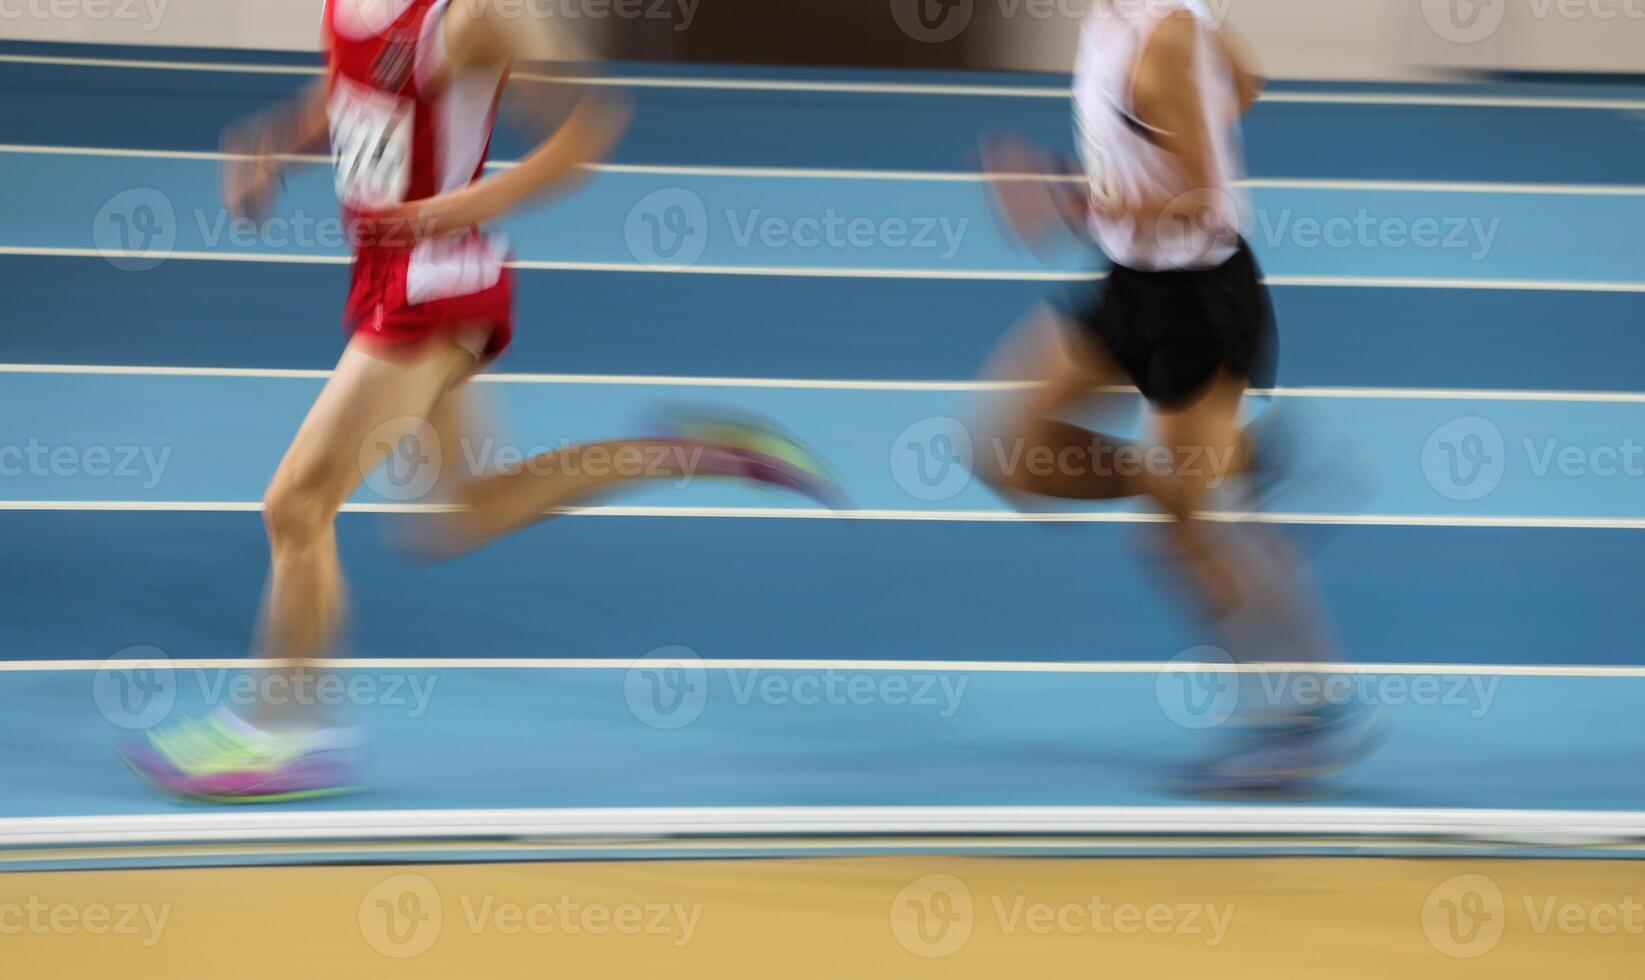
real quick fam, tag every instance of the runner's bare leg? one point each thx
(367, 405)
(494, 502)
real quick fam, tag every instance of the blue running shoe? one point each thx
(1287, 759)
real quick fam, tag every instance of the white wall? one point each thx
(1369, 39)
(1291, 38)
(1366, 39)
(1532, 35)
(271, 24)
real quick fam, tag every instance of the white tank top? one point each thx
(1120, 152)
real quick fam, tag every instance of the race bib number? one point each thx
(371, 136)
(1099, 167)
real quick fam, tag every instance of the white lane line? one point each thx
(176, 372)
(276, 258)
(636, 169)
(839, 384)
(1453, 101)
(116, 152)
(800, 272)
(689, 83)
(660, 381)
(880, 514)
(1421, 100)
(705, 84)
(1458, 394)
(387, 824)
(899, 666)
(102, 856)
(817, 173)
(932, 176)
(1444, 187)
(1403, 282)
(978, 177)
(212, 67)
(878, 88)
(973, 275)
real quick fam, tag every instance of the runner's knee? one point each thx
(297, 508)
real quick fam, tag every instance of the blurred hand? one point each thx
(251, 170)
(1031, 191)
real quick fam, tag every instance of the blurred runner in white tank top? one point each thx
(1184, 317)
(1126, 157)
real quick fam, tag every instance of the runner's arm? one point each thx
(594, 125)
(255, 148)
(1166, 96)
(1247, 79)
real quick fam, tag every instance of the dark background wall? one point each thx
(860, 33)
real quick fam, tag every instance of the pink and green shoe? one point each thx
(746, 447)
(221, 759)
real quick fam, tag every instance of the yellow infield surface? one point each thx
(836, 917)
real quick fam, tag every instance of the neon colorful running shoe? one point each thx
(223, 760)
(746, 447)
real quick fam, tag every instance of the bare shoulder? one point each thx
(1173, 45)
(484, 33)
(474, 38)
(1167, 62)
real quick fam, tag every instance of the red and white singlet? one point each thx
(400, 132)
